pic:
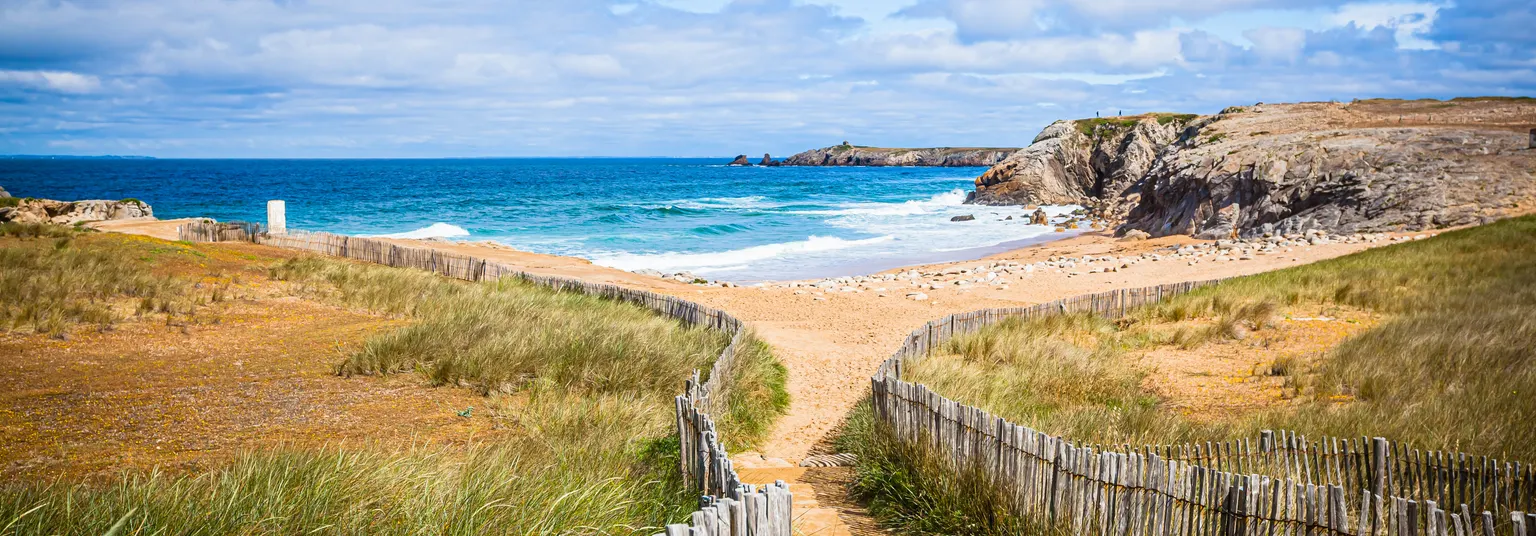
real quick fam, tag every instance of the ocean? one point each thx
(671, 215)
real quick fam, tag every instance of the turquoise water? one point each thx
(734, 224)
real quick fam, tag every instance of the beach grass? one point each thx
(584, 384)
(1445, 365)
(50, 281)
(582, 471)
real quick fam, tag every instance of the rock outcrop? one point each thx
(1368, 166)
(1077, 162)
(69, 212)
(853, 155)
(768, 161)
(741, 160)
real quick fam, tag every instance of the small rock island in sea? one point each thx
(846, 154)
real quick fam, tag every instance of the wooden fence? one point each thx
(234, 231)
(1282, 483)
(727, 507)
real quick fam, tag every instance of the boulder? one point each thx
(741, 160)
(967, 217)
(70, 212)
(1135, 235)
(768, 161)
(3, 193)
(1040, 217)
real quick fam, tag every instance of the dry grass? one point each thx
(47, 284)
(1446, 363)
(580, 387)
(1446, 367)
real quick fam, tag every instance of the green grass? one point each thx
(757, 396)
(7, 202)
(1112, 125)
(1448, 367)
(910, 489)
(51, 280)
(585, 384)
(582, 471)
(510, 335)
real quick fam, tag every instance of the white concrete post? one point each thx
(277, 217)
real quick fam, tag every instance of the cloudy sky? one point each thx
(421, 78)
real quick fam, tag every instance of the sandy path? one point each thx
(831, 343)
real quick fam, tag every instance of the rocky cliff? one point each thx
(26, 210)
(853, 155)
(1368, 166)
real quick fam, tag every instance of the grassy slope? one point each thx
(1448, 367)
(590, 382)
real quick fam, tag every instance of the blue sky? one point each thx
(398, 78)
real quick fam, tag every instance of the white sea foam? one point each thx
(952, 198)
(733, 259)
(436, 230)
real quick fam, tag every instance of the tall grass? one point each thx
(510, 335)
(910, 489)
(49, 280)
(1449, 367)
(757, 395)
(1066, 374)
(578, 471)
(585, 383)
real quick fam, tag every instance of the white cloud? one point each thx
(1277, 43)
(1409, 20)
(689, 77)
(60, 81)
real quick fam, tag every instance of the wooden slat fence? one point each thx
(727, 507)
(1278, 483)
(234, 231)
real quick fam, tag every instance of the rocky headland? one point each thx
(29, 210)
(1362, 167)
(855, 155)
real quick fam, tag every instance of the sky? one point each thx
(472, 78)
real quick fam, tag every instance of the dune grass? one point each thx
(50, 281)
(509, 335)
(1449, 366)
(586, 384)
(578, 471)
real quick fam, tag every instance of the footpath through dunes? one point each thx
(832, 342)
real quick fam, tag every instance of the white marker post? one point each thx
(277, 217)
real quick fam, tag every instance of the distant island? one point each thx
(72, 157)
(846, 154)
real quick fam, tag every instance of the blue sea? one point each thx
(725, 223)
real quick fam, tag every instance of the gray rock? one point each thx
(1135, 235)
(1295, 167)
(69, 212)
(967, 217)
